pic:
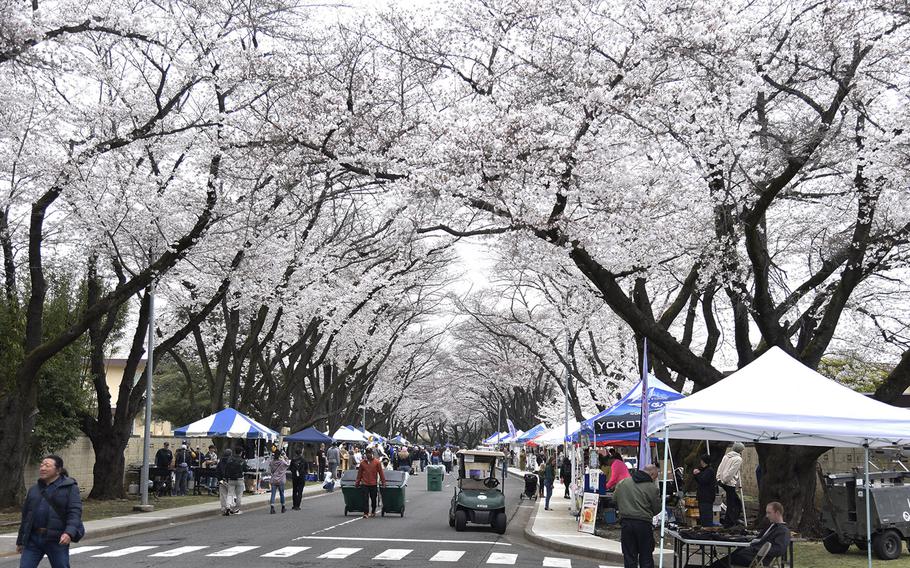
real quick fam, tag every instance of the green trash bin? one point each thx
(393, 493)
(355, 500)
(435, 475)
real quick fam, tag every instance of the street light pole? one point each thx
(147, 430)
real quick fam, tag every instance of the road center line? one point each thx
(335, 526)
(349, 538)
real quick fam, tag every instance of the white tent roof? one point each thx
(778, 400)
(556, 436)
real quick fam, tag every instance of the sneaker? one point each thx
(271, 510)
(236, 512)
(366, 515)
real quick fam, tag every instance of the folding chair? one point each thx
(759, 559)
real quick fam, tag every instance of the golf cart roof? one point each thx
(484, 453)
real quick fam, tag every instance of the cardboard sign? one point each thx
(588, 514)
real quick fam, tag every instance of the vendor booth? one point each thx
(621, 423)
(778, 400)
(230, 423)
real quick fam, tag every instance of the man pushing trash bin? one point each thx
(369, 475)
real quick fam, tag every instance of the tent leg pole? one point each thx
(868, 508)
(663, 501)
(742, 499)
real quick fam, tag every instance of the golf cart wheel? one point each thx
(834, 545)
(461, 520)
(887, 545)
(499, 522)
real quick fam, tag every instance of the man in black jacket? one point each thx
(778, 534)
(706, 492)
(230, 479)
(51, 517)
(299, 468)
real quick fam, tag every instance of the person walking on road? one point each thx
(549, 476)
(447, 459)
(369, 475)
(278, 467)
(299, 468)
(51, 517)
(638, 501)
(230, 482)
(728, 476)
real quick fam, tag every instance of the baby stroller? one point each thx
(530, 487)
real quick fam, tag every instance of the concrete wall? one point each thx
(838, 460)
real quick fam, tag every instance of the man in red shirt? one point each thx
(369, 474)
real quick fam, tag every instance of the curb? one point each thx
(567, 548)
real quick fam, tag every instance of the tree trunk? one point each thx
(109, 448)
(788, 477)
(13, 449)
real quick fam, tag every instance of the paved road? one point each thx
(320, 535)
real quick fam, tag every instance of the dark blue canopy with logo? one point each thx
(622, 421)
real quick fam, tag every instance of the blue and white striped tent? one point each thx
(226, 424)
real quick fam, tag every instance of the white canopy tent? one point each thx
(778, 400)
(556, 436)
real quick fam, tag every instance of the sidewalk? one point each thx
(141, 522)
(557, 529)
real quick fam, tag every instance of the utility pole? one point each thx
(146, 438)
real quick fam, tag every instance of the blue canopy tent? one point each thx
(621, 423)
(495, 438)
(309, 435)
(531, 434)
(227, 423)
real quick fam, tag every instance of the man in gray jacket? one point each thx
(333, 458)
(638, 501)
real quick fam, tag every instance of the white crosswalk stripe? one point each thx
(501, 558)
(286, 552)
(123, 551)
(550, 562)
(393, 554)
(178, 551)
(232, 551)
(340, 552)
(447, 556)
(83, 549)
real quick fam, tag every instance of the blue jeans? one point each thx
(37, 547)
(279, 487)
(549, 492)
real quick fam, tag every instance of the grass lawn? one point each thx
(92, 509)
(814, 555)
